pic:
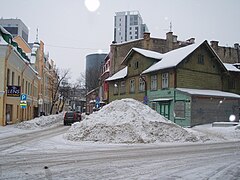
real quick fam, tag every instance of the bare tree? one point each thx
(57, 77)
(81, 83)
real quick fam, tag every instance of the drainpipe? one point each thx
(22, 84)
(9, 51)
(33, 88)
(145, 92)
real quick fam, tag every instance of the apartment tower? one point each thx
(128, 25)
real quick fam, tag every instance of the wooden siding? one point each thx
(192, 74)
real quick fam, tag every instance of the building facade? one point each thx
(189, 85)
(128, 26)
(16, 27)
(29, 73)
(19, 78)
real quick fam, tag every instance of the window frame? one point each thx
(141, 84)
(153, 84)
(132, 86)
(165, 80)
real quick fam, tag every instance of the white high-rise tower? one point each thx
(128, 26)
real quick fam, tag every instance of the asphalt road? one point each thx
(147, 161)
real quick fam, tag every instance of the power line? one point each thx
(69, 47)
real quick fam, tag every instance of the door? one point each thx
(9, 109)
(165, 109)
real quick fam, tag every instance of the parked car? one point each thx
(71, 117)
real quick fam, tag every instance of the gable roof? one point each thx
(173, 58)
(143, 52)
(118, 75)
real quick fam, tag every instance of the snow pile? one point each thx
(218, 133)
(128, 121)
(39, 122)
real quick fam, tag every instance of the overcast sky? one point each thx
(70, 31)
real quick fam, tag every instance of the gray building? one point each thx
(94, 63)
(16, 27)
(128, 26)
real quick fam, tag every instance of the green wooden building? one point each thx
(189, 85)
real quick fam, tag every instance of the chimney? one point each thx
(214, 44)
(169, 36)
(146, 35)
(191, 40)
(236, 46)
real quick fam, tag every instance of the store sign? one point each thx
(14, 91)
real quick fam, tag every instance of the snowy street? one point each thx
(121, 141)
(137, 161)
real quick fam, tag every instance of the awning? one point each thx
(161, 99)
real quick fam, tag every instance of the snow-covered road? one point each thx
(147, 161)
(117, 143)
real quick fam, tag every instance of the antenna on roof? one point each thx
(170, 26)
(37, 36)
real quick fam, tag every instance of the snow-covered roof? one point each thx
(148, 53)
(2, 41)
(172, 58)
(119, 75)
(204, 92)
(144, 52)
(231, 67)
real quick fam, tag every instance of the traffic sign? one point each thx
(23, 104)
(23, 97)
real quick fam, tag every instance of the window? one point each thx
(115, 88)
(136, 65)
(8, 76)
(123, 88)
(18, 80)
(165, 80)
(26, 84)
(132, 85)
(141, 84)
(179, 109)
(154, 82)
(22, 87)
(13, 76)
(200, 59)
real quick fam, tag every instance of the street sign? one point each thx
(23, 97)
(23, 104)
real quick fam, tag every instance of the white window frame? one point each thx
(141, 84)
(154, 82)
(165, 80)
(132, 85)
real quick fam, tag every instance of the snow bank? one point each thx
(39, 122)
(128, 121)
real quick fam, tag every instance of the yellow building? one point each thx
(18, 79)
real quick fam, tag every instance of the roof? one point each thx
(144, 52)
(204, 92)
(231, 67)
(119, 75)
(161, 99)
(173, 58)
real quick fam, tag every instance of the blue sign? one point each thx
(97, 102)
(23, 97)
(145, 100)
